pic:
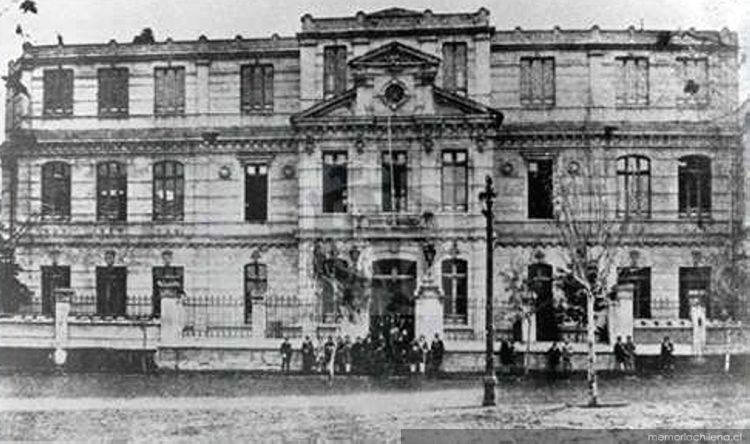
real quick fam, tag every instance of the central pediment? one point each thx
(394, 54)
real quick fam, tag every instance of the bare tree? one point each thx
(521, 301)
(590, 234)
(13, 292)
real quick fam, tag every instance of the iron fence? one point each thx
(215, 315)
(134, 307)
(285, 315)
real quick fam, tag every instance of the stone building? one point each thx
(223, 163)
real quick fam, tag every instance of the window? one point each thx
(58, 92)
(111, 291)
(540, 278)
(395, 182)
(454, 67)
(455, 290)
(55, 190)
(165, 273)
(256, 284)
(540, 189)
(334, 182)
(641, 280)
(256, 192)
(334, 70)
(257, 88)
(169, 96)
(694, 278)
(169, 184)
(455, 181)
(633, 187)
(694, 76)
(111, 191)
(694, 183)
(113, 92)
(537, 81)
(53, 277)
(632, 85)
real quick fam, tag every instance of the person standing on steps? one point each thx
(308, 355)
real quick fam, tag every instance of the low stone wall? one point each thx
(653, 331)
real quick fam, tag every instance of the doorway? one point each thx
(392, 302)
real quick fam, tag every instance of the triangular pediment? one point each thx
(394, 54)
(448, 103)
(338, 105)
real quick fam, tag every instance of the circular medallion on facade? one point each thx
(394, 95)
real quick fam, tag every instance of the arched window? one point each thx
(111, 191)
(455, 290)
(694, 183)
(633, 187)
(55, 190)
(169, 187)
(256, 284)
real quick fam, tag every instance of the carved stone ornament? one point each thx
(507, 169)
(288, 171)
(574, 168)
(225, 172)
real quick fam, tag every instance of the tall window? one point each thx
(632, 85)
(256, 284)
(111, 291)
(537, 81)
(455, 180)
(634, 187)
(58, 92)
(334, 182)
(540, 189)
(641, 280)
(334, 70)
(694, 278)
(257, 88)
(169, 97)
(455, 289)
(169, 189)
(160, 275)
(256, 192)
(694, 183)
(395, 182)
(111, 191)
(113, 92)
(694, 74)
(454, 67)
(53, 277)
(55, 190)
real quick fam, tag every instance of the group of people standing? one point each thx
(624, 355)
(560, 358)
(374, 355)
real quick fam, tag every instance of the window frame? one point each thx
(115, 179)
(455, 69)
(703, 97)
(162, 210)
(534, 208)
(334, 70)
(624, 176)
(52, 277)
(641, 278)
(259, 280)
(458, 203)
(113, 100)
(174, 93)
(698, 177)
(159, 272)
(56, 189)
(455, 304)
(340, 204)
(688, 279)
(528, 96)
(394, 181)
(625, 95)
(261, 170)
(257, 88)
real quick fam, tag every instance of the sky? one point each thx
(92, 21)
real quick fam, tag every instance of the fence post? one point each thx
(698, 317)
(63, 297)
(171, 312)
(259, 316)
(620, 313)
(528, 328)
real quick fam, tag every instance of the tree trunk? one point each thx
(527, 355)
(591, 338)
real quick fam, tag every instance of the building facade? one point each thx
(224, 164)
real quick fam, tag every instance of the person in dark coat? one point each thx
(667, 357)
(620, 354)
(437, 350)
(553, 360)
(507, 354)
(308, 355)
(286, 355)
(630, 354)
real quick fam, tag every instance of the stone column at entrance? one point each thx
(698, 318)
(620, 314)
(428, 310)
(62, 310)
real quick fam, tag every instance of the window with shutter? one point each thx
(334, 182)
(55, 190)
(633, 187)
(454, 67)
(58, 92)
(455, 180)
(694, 187)
(455, 289)
(256, 86)
(537, 82)
(169, 94)
(169, 185)
(111, 191)
(53, 277)
(395, 181)
(695, 87)
(334, 70)
(633, 83)
(113, 95)
(256, 192)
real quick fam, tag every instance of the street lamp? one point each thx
(487, 197)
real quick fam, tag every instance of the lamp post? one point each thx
(487, 197)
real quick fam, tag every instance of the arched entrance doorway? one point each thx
(392, 303)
